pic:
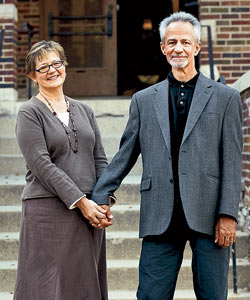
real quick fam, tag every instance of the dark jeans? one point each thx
(161, 259)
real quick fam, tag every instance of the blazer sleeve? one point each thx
(123, 161)
(231, 147)
(99, 153)
(32, 143)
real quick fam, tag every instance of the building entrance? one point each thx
(140, 60)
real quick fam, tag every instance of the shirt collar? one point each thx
(174, 82)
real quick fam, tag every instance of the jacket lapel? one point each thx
(161, 108)
(202, 94)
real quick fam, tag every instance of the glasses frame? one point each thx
(50, 65)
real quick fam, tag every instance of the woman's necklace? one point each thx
(74, 149)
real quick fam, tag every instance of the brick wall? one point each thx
(8, 70)
(230, 21)
(28, 12)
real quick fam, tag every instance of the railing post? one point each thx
(51, 25)
(235, 288)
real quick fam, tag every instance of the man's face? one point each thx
(180, 46)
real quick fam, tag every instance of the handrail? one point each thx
(108, 31)
(210, 50)
(28, 29)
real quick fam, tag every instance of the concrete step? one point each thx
(112, 126)
(126, 217)
(123, 274)
(108, 105)
(108, 125)
(11, 187)
(131, 295)
(120, 245)
(15, 164)
(12, 164)
(10, 193)
(8, 145)
(126, 220)
(7, 126)
(179, 295)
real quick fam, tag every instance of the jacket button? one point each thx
(171, 180)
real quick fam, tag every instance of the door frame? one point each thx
(97, 81)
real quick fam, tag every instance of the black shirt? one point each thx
(180, 99)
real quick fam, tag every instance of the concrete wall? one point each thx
(243, 86)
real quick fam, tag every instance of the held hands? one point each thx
(225, 232)
(98, 216)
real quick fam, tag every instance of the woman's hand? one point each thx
(109, 217)
(92, 211)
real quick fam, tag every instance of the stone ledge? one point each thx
(243, 83)
(8, 11)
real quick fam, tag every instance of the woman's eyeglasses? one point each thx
(55, 65)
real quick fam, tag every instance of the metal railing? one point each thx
(105, 31)
(28, 29)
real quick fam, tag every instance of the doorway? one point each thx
(88, 36)
(140, 60)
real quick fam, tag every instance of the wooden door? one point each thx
(92, 69)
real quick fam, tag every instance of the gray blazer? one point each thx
(209, 158)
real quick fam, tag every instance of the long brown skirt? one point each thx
(61, 256)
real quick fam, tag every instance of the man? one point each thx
(188, 131)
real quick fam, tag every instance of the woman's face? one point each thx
(54, 77)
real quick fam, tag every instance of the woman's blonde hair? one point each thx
(41, 49)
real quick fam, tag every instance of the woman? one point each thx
(61, 255)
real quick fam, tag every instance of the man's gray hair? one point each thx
(180, 17)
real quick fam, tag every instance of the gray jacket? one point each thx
(209, 158)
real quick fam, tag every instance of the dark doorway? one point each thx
(140, 61)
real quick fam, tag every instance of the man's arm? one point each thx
(232, 141)
(123, 161)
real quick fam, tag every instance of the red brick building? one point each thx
(126, 59)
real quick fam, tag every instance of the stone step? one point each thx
(7, 126)
(100, 105)
(120, 245)
(15, 164)
(109, 126)
(12, 164)
(131, 295)
(8, 145)
(179, 295)
(123, 274)
(10, 217)
(12, 186)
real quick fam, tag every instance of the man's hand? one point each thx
(225, 232)
(91, 211)
(108, 220)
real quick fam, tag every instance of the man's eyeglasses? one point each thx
(56, 65)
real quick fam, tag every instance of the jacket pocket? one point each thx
(213, 177)
(145, 185)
